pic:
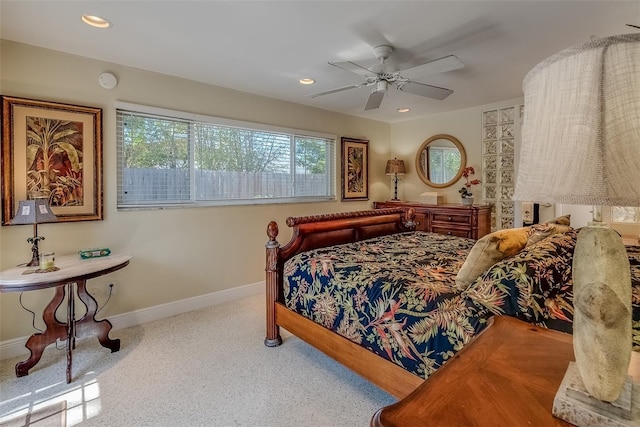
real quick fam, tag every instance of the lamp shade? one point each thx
(34, 211)
(581, 129)
(395, 167)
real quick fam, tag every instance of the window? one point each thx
(625, 214)
(444, 164)
(624, 219)
(173, 158)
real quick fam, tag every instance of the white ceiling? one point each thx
(264, 47)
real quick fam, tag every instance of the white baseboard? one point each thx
(16, 347)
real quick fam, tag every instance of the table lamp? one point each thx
(395, 167)
(581, 145)
(34, 211)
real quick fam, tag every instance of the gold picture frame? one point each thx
(52, 150)
(355, 169)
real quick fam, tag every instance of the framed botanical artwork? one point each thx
(54, 151)
(355, 169)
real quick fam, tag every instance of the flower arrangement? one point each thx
(466, 173)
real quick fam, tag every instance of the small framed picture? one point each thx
(53, 151)
(355, 169)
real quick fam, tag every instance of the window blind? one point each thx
(175, 159)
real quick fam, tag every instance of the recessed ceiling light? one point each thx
(306, 81)
(403, 110)
(95, 21)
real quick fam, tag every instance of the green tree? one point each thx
(155, 143)
(311, 155)
(164, 144)
(452, 161)
(237, 150)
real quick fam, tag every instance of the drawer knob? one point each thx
(449, 219)
(449, 233)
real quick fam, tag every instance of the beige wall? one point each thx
(182, 253)
(177, 253)
(465, 125)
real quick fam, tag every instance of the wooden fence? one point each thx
(145, 185)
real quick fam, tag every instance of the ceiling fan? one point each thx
(382, 76)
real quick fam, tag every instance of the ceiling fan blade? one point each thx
(436, 66)
(424, 90)
(339, 89)
(354, 68)
(375, 99)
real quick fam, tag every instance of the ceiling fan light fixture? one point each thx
(383, 51)
(306, 81)
(95, 21)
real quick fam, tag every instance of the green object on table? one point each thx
(94, 253)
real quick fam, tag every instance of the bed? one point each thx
(382, 299)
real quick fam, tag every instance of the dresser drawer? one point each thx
(460, 232)
(422, 223)
(449, 219)
(453, 219)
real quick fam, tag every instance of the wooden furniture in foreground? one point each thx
(472, 222)
(631, 240)
(72, 270)
(507, 376)
(320, 231)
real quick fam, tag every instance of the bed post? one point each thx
(410, 222)
(273, 338)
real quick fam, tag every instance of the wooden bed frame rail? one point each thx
(318, 231)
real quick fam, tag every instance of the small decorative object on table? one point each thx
(465, 193)
(47, 260)
(94, 253)
(46, 265)
(430, 198)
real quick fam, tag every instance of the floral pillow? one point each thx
(539, 232)
(562, 220)
(490, 249)
(534, 285)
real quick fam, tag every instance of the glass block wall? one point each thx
(500, 131)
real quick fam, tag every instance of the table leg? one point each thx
(71, 333)
(88, 325)
(38, 342)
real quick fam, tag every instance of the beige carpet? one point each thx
(54, 415)
(204, 368)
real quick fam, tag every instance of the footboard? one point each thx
(318, 231)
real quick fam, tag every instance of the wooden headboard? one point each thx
(319, 231)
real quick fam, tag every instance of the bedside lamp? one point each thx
(395, 167)
(35, 211)
(581, 145)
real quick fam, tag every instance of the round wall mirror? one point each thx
(440, 160)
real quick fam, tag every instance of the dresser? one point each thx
(451, 219)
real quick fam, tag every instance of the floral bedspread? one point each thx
(536, 285)
(395, 294)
